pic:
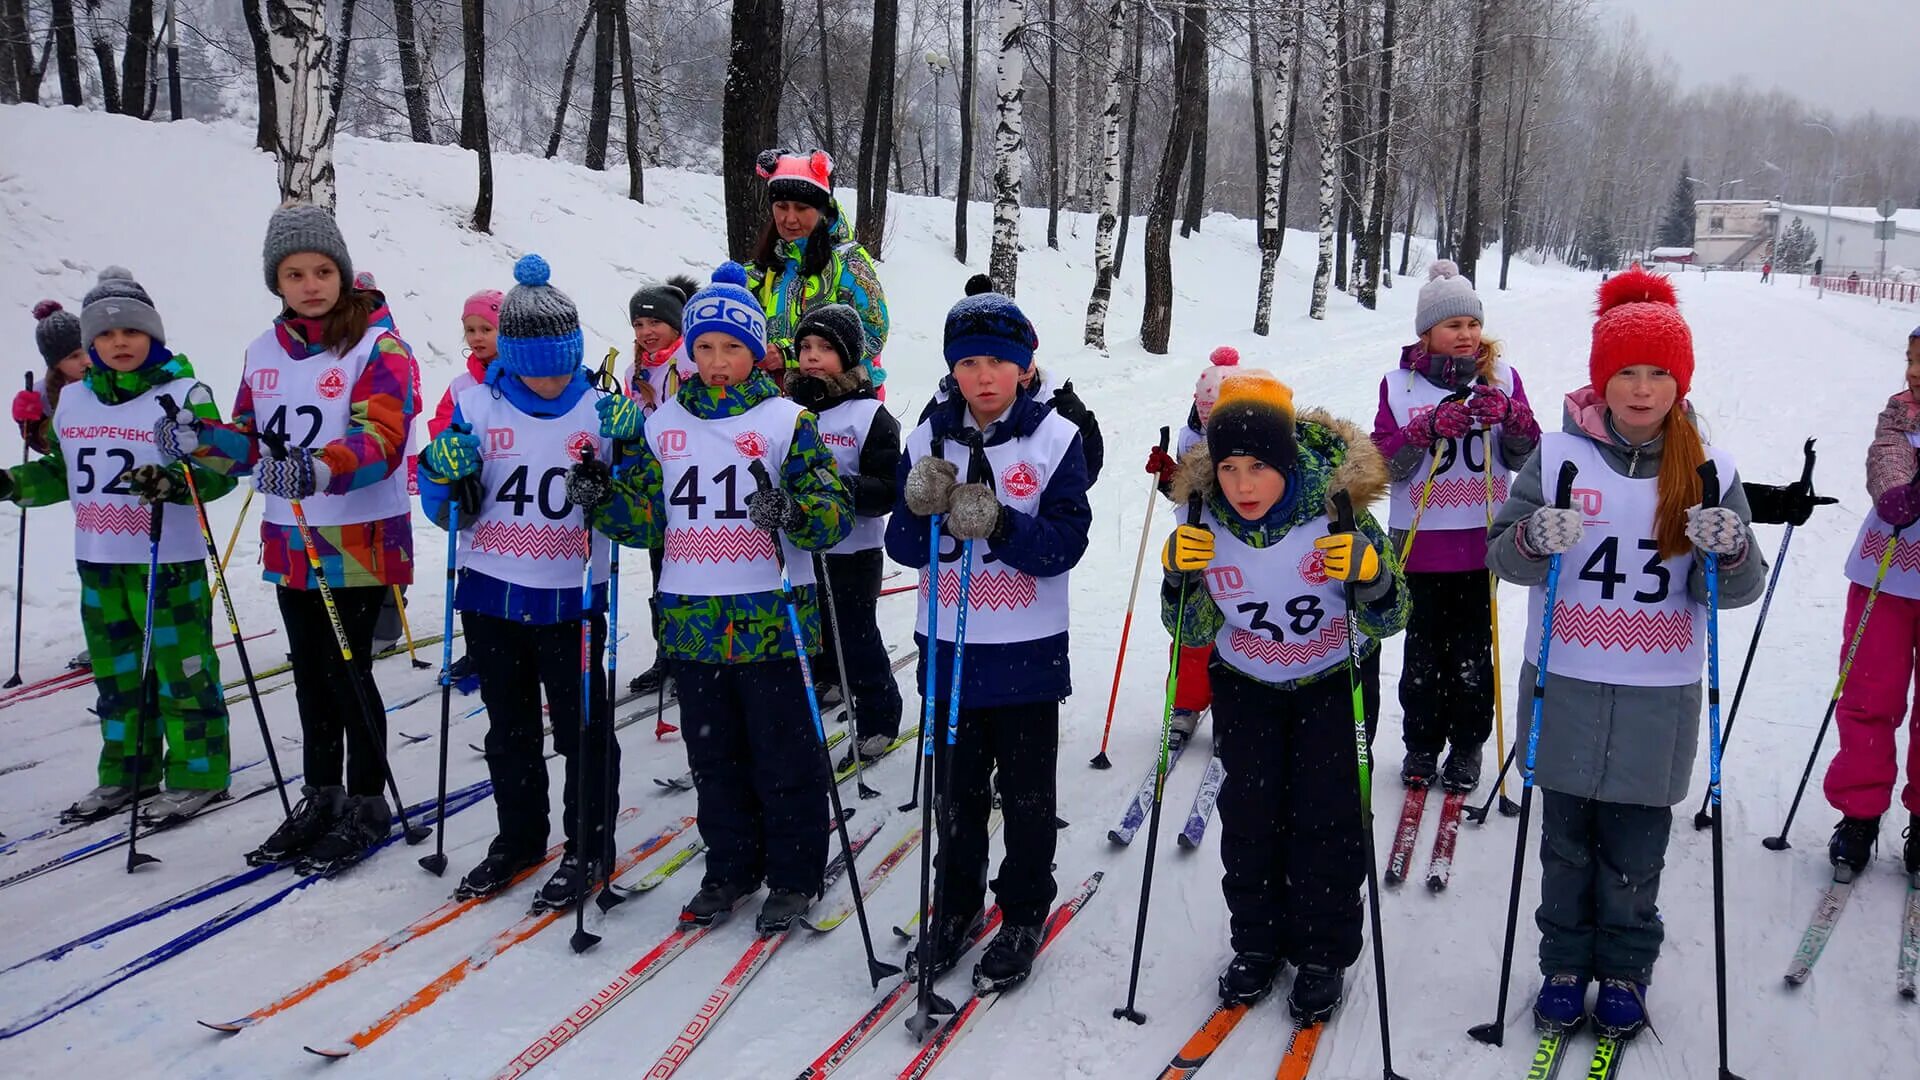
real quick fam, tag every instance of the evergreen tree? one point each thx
(1796, 248)
(1676, 229)
(1598, 249)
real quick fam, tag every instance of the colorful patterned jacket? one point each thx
(746, 627)
(385, 400)
(849, 278)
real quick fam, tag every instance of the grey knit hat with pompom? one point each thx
(56, 332)
(299, 227)
(1446, 295)
(118, 302)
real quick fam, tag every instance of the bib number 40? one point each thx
(549, 494)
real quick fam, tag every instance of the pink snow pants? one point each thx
(1860, 781)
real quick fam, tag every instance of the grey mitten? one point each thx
(929, 487)
(975, 512)
(1716, 529)
(1550, 530)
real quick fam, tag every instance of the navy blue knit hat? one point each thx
(539, 326)
(988, 323)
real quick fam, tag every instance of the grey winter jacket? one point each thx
(1614, 743)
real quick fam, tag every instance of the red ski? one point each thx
(1440, 864)
(1406, 835)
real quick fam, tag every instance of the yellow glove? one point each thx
(1189, 548)
(1349, 557)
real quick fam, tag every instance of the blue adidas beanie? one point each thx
(989, 323)
(726, 307)
(539, 326)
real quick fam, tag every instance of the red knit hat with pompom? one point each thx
(1640, 323)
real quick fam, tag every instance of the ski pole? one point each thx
(1710, 496)
(876, 968)
(928, 729)
(226, 599)
(610, 897)
(406, 628)
(20, 568)
(1495, 1032)
(1344, 523)
(922, 1023)
(1478, 814)
(1778, 842)
(149, 700)
(233, 537)
(1100, 760)
(577, 768)
(1701, 819)
(1129, 1011)
(277, 445)
(1507, 806)
(436, 863)
(846, 687)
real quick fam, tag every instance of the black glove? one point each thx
(774, 510)
(590, 484)
(1092, 444)
(467, 494)
(808, 391)
(1788, 504)
(156, 484)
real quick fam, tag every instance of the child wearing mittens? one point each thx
(1621, 725)
(1453, 423)
(1263, 575)
(684, 482)
(1860, 780)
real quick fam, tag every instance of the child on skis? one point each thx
(508, 444)
(835, 384)
(333, 383)
(1623, 695)
(1194, 690)
(56, 334)
(1010, 475)
(660, 366)
(101, 457)
(685, 483)
(1263, 576)
(1859, 782)
(1453, 422)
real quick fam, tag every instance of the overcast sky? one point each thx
(1842, 55)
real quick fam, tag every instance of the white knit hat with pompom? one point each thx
(1445, 295)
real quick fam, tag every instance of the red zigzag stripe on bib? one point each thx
(725, 544)
(989, 589)
(1905, 557)
(110, 518)
(1617, 628)
(1461, 491)
(1332, 638)
(529, 541)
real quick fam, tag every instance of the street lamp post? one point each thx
(938, 64)
(1833, 172)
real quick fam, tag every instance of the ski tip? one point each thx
(1186, 842)
(331, 1053)
(227, 1027)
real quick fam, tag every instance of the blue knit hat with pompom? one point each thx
(726, 307)
(539, 326)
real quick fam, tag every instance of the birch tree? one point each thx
(1328, 26)
(1374, 243)
(1277, 104)
(1009, 146)
(1096, 331)
(1156, 315)
(304, 141)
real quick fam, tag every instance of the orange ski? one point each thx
(1300, 1049)
(1203, 1042)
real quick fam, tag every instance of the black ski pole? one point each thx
(1495, 1032)
(1129, 1011)
(277, 445)
(1478, 814)
(583, 940)
(1710, 497)
(1344, 523)
(877, 969)
(1778, 842)
(20, 567)
(436, 863)
(148, 712)
(609, 897)
(226, 599)
(846, 686)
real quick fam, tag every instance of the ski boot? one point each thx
(101, 803)
(1008, 959)
(1316, 994)
(572, 880)
(1462, 771)
(312, 816)
(363, 822)
(1851, 848)
(1562, 1004)
(949, 941)
(650, 680)
(781, 909)
(870, 748)
(1186, 721)
(713, 903)
(171, 807)
(1419, 767)
(1249, 977)
(1621, 1009)
(494, 873)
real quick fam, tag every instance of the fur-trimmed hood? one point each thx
(1334, 455)
(821, 392)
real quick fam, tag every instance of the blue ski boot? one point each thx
(1562, 1004)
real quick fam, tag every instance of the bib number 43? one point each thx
(1602, 568)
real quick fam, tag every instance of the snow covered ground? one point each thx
(183, 206)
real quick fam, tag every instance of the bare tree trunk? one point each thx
(600, 115)
(1406, 238)
(66, 51)
(1375, 240)
(134, 71)
(1053, 127)
(305, 107)
(16, 52)
(1278, 88)
(826, 83)
(750, 114)
(1349, 169)
(1156, 318)
(1133, 121)
(342, 51)
(963, 186)
(1293, 118)
(1515, 174)
(1096, 329)
(102, 46)
(876, 123)
(566, 80)
(267, 123)
(1202, 85)
(413, 83)
(473, 108)
(1470, 242)
(1009, 145)
(630, 104)
(1330, 83)
(1260, 94)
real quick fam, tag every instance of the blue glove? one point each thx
(621, 417)
(296, 476)
(453, 454)
(177, 435)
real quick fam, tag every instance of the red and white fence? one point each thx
(1898, 292)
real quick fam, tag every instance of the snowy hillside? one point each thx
(183, 205)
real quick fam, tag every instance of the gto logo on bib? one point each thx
(331, 383)
(1313, 567)
(266, 381)
(499, 440)
(1020, 481)
(750, 444)
(578, 443)
(673, 444)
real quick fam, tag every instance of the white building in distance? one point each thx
(1741, 233)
